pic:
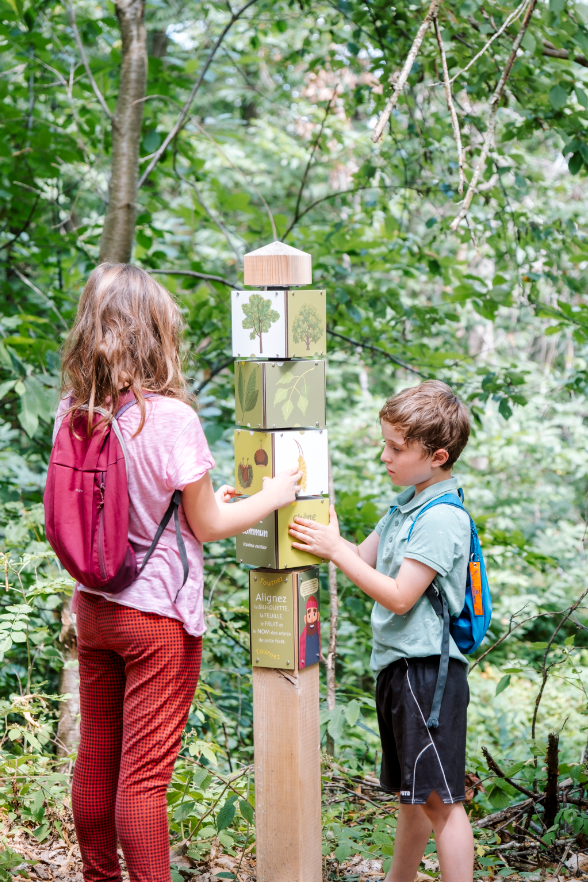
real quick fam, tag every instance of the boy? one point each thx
(425, 429)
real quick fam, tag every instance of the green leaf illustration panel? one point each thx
(295, 394)
(248, 394)
(307, 324)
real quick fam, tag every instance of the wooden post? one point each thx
(279, 325)
(286, 732)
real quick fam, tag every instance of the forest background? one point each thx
(181, 135)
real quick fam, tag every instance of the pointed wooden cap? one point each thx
(277, 265)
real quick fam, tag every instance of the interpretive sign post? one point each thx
(279, 339)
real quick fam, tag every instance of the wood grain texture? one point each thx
(287, 775)
(277, 265)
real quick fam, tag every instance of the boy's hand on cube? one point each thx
(319, 539)
(284, 487)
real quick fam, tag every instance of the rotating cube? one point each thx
(260, 454)
(279, 324)
(280, 394)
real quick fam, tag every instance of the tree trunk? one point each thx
(119, 224)
(551, 795)
(115, 247)
(334, 609)
(68, 729)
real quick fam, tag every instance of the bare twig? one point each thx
(212, 375)
(211, 214)
(242, 173)
(510, 19)
(80, 45)
(553, 52)
(186, 108)
(494, 767)
(494, 104)
(450, 105)
(206, 276)
(24, 226)
(311, 156)
(377, 349)
(38, 291)
(400, 83)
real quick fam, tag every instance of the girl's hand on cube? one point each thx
(225, 493)
(284, 487)
(319, 539)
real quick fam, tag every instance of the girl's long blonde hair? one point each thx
(126, 337)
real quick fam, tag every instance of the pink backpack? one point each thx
(87, 504)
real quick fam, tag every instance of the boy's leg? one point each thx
(413, 829)
(453, 838)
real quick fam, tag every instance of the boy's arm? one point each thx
(399, 595)
(368, 550)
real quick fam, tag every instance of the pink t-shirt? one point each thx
(169, 452)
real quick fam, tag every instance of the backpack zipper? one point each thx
(101, 530)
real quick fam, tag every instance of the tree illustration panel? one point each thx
(307, 324)
(258, 324)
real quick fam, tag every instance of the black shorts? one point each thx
(417, 760)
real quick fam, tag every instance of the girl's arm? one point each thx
(211, 517)
(399, 595)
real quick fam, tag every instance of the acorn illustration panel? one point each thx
(269, 544)
(279, 324)
(260, 454)
(280, 394)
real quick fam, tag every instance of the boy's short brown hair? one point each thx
(431, 415)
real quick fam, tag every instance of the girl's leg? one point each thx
(162, 665)
(413, 829)
(102, 684)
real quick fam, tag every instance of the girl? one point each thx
(140, 650)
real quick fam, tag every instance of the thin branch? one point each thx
(213, 374)
(450, 105)
(97, 92)
(211, 214)
(511, 630)
(494, 104)
(553, 52)
(41, 294)
(347, 193)
(24, 226)
(544, 668)
(494, 767)
(242, 173)
(508, 21)
(186, 108)
(400, 83)
(312, 152)
(377, 349)
(194, 274)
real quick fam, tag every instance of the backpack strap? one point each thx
(439, 604)
(171, 509)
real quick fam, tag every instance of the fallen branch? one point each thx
(494, 104)
(400, 83)
(450, 105)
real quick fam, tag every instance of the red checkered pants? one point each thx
(138, 674)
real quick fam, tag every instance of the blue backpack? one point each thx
(469, 627)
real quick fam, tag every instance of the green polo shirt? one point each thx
(440, 539)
